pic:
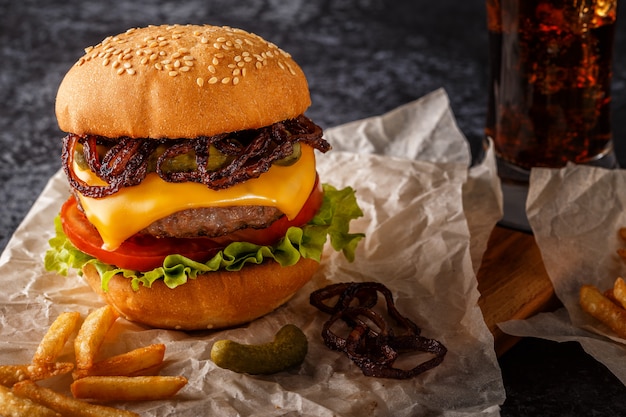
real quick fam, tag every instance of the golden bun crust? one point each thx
(180, 82)
(211, 301)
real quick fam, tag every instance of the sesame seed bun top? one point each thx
(180, 82)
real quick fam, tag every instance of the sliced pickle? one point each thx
(217, 159)
(291, 159)
(180, 163)
(79, 155)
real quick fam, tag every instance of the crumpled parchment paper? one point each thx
(410, 170)
(575, 214)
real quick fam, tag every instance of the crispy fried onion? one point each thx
(127, 160)
(371, 343)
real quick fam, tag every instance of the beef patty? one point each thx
(213, 221)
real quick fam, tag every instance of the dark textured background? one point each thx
(361, 57)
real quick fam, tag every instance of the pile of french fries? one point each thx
(126, 377)
(609, 306)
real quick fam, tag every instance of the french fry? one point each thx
(56, 337)
(619, 291)
(125, 388)
(13, 406)
(37, 372)
(66, 406)
(126, 364)
(91, 335)
(603, 309)
(12, 374)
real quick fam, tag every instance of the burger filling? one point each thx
(218, 162)
(174, 208)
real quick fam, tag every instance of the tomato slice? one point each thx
(146, 252)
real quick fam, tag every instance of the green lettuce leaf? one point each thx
(339, 207)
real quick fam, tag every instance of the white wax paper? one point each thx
(418, 199)
(575, 214)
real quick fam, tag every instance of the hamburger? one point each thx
(195, 201)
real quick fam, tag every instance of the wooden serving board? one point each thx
(513, 283)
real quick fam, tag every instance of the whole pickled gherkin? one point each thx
(288, 349)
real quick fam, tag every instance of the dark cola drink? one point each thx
(549, 92)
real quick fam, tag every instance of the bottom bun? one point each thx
(211, 301)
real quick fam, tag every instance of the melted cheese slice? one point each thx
(119, 216)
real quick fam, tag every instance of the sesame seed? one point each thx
(219, 55)
(184, 69)
(241, 64)
(235, 80)
(204, 40)
(144, 61)
(127, 65)
(188, 58)
(225, 80)
(130, 71)
(163, 43)
(258, 65)
(243, 72)
(215, 61)
(221, 39)
(105, 62)
(237, 58)
(115, 64)
(212, 80)
(176, 55)
(153, 57)
(120, 71)
(217, 45)
(200, 81)
(236, 72)
(158, 66)
(211, 69)
(172, 73)
(280, 64)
